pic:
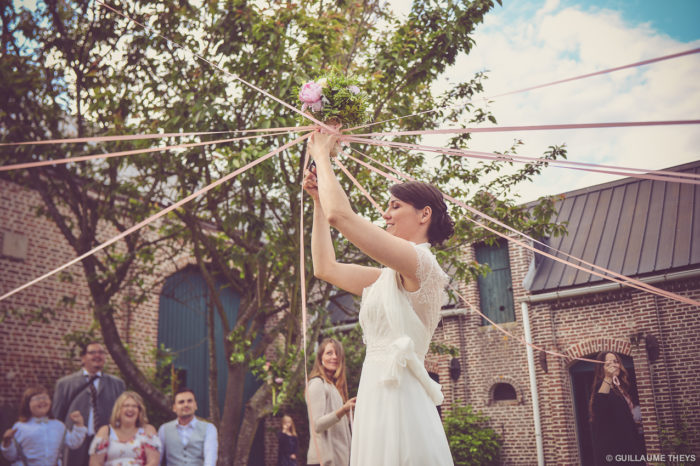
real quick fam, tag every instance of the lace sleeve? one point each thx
(428, 299)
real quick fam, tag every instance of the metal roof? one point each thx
(631, 226)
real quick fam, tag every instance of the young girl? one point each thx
(288, 443)
(37, 440)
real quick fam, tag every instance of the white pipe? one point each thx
(533, 385)
(454, 312)
(608, 286)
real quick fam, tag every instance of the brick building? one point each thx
(33, 351)
(646, 229)
(650, 230)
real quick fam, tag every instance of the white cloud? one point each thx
(525, 47)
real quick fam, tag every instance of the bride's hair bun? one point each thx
(420, 195)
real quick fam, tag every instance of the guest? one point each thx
(329, 407)
(89, 391)
(128, 439)
(37, 439)
(188, 440)
(288, 443)
(611, 412)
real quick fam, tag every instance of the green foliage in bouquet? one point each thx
(335, 98)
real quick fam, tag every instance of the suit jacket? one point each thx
(109, 389)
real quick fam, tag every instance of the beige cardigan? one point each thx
(332, 435)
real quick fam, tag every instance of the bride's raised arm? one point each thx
(387, 249)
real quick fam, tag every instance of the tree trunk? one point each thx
(256, 408)
(214, 413)
(113, 343)
(231, 418)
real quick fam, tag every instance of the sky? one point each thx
(531, 42)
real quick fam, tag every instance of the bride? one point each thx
(396, 422)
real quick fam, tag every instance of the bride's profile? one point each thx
(396, 421)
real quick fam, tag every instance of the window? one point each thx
(504, 392)
(496, 288)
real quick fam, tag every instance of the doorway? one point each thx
(581, 382)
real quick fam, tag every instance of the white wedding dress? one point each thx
(396, 422)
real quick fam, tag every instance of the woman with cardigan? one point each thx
(329, 408)
(615, 433)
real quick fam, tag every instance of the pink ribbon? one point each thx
(474, 309)
(132, 137)
(501, 129)
(658, 175)
(539, 86)
(158, 215)
(613, 276)
(83, 158)
(227, 73)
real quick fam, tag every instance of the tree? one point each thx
(106, 75)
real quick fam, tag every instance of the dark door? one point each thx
(182, 328)
(581, 381)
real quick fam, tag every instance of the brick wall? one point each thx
(669, 388)
(33, 351)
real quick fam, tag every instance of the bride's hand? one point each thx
(310, 183)
(322, 143)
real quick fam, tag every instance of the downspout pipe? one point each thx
(533, 384)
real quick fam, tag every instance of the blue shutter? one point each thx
(496, 288)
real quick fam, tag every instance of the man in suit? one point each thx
(188, 441)
(89, 391)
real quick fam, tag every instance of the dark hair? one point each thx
(183, 390)
(84, 347)
(420, 195)
(599, 374)
(24, 412)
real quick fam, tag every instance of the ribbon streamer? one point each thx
(540, 86)
(227, 73)
(83, 158)
(157, 215)
(667, 176)
(613, 276)
(132, 137)
(474, 309)
(500, 129)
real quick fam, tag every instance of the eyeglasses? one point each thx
(96, 352)
(43, 397)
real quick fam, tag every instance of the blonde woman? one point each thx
(128, 439)
(288, 443)
(329, 407)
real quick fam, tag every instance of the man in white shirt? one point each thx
(187, 440)
(89, 391)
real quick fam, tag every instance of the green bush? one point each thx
(471, 440)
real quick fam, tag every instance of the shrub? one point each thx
(471, 440)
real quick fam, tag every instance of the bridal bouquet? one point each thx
(334, 98)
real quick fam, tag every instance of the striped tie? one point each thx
(93, 401)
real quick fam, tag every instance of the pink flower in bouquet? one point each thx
(310, 96)
(279, 380)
